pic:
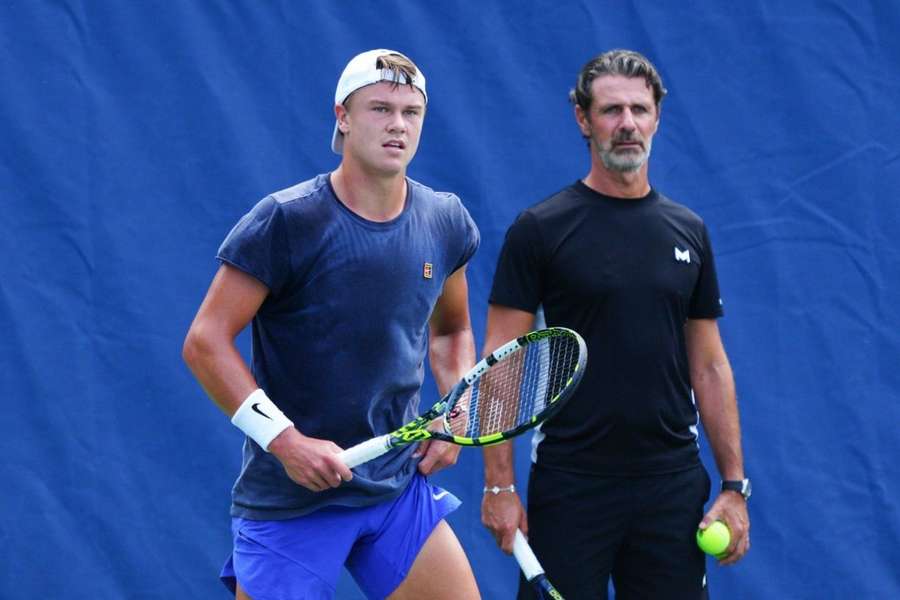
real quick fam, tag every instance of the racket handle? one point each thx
(533, 570)
(525, 557)
(365, 451)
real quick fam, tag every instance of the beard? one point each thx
(624, 161)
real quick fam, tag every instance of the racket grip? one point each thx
(365, 451)
(526, 558)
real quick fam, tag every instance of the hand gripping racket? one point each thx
(518, 386)
(532, 569)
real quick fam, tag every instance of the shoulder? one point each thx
(436, 199)
(678, 211)
(555, 209)
(556, 204)
(439, 207)
(301, 193)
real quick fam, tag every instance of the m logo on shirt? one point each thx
(427, 270)
(682, 255)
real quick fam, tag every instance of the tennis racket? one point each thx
(518, 386)
(532, 569)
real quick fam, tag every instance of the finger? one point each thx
(735, 555)
(306, 480)
(321, 481)
(422, 449)
(507, 541)
(743, 547)
(342, 471)
(430, 458)
(709, 518)
(311, 486)
(426, 466)
(499, 540)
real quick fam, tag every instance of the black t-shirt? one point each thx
(626, 274)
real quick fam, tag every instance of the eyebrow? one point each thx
(645, 105)
(624, 103)
(380, 102)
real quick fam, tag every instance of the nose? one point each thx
(396, 124)
(627, 120)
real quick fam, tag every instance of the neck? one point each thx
(632, 184)
(374, 197)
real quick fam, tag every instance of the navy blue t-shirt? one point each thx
(340, 341)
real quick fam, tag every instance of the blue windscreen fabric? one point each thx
(134, 135)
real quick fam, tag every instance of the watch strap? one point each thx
(741, 486)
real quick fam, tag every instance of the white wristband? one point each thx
(260, 419)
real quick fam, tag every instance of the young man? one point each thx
(616, 486)
(349, 278)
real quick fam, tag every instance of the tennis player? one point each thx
(616, 487)
(348, 278)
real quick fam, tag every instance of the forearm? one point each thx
(498, 465)
(715, 393)
(219, 368)
(451, 355)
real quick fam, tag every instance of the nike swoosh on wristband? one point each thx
(255, 408)
(439, 495)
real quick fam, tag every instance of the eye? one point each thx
(411, 112)
(381, 109)
(612, 110)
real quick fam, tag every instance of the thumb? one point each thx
(421, 449)
(708, 519)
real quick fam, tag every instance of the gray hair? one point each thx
(616, 62)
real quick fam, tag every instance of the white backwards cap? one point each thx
(362, 71)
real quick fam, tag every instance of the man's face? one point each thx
(621, 122)
(381, 125)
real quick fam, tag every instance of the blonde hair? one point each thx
(404, 71)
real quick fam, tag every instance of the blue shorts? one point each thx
(303, 557)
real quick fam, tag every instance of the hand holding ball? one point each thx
(714, 539)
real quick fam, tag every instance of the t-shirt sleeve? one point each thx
(518, 279)
(706, 302)
(471, 237)
(258, 245)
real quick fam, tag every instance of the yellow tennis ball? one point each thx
(714, 539)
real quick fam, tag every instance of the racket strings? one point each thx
(515, 390)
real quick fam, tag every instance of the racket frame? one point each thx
(417, 430)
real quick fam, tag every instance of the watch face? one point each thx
(747, 489)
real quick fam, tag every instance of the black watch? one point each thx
(741, 486)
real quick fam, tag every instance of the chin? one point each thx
(391, 169)
(629, 162)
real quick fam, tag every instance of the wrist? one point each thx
(282, 441)
(741, 487)
(498, 489)
(260, 419)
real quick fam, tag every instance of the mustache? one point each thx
(628, 137)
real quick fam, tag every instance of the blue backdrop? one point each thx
(134, 135)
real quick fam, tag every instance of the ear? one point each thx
(341, 114)
(583, 124)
